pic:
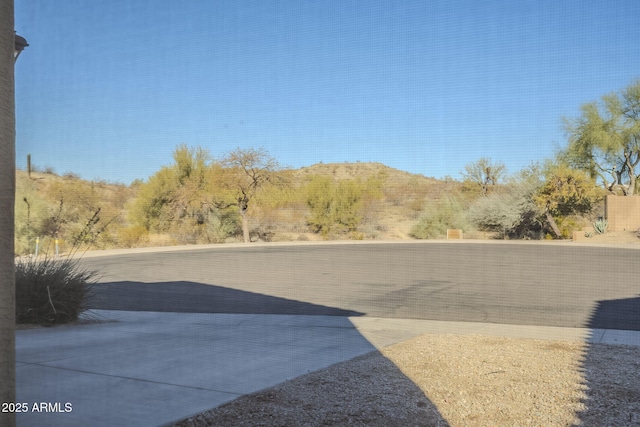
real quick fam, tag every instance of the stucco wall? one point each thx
(7, 200)
(622, 212)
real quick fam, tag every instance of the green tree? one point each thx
(335, 206)
(320, 195)
(151, 208)
(180, 199)
(191, 202)
(605, 140)
(564, 193)
(348, 204)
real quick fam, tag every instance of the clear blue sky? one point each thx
(108, 88)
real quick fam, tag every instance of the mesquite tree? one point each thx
(244, 172)
(484, 174)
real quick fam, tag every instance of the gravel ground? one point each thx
(453, 380)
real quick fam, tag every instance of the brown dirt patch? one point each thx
(612, 237)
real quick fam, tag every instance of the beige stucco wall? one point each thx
(7, 200)
(622, 212)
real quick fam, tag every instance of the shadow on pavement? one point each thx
(622, 314)
(612, 392)
(190, 297)
(331, 404)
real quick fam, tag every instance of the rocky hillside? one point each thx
(49, 205)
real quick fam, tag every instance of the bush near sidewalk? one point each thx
(51, 290)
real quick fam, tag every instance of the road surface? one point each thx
(498, 282)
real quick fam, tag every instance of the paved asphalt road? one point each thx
(499, 282)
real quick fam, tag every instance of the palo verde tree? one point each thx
(605, 140)
(484, 174)
(334, 206)
(341, 206)
(178, 198)
(565, 192)
(241, 175)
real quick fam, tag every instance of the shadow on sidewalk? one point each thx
(611, 374)
(332, 388)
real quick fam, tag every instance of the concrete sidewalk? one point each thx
(148, 368)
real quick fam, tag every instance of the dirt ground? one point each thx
(611, 237)
(453, 380)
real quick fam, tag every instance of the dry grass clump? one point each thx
(51, 290)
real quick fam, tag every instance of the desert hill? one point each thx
(48, 204)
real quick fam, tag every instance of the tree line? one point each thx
(559, 195)
(246, 194)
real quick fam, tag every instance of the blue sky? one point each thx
(108, 88)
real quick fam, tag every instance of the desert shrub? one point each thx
(188, 233)
(261, 234)
(341, 207)
(71, 175)
(161, 240)
(214, 226)
(402, 192)
(569, 224)
(511, 213)
(76, 212)
(187, 200)
(51, 290)
(222, 224)
(335, 207)
(30, 210)
(133, 236)
(278, 209)
(448, 212)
